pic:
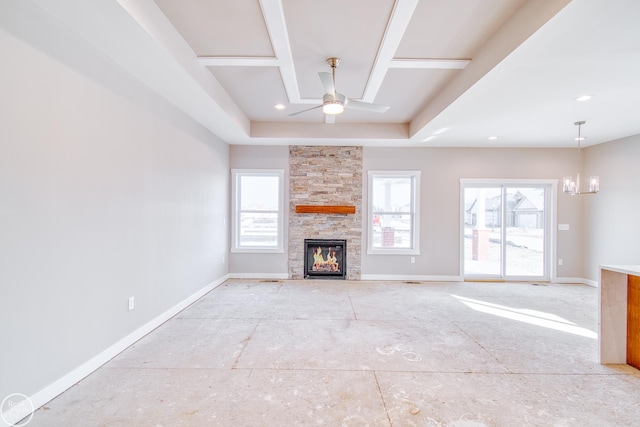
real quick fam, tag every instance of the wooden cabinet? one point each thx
(633, 321)
(619, 317)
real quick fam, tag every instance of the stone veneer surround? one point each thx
(320, 175)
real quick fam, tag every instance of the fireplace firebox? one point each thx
(325, 259)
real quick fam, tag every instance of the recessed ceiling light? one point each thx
(583, 98)
(492, 138)
(279, 107)
(429, 138)
(580, 138)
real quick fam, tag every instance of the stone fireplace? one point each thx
(325, 176)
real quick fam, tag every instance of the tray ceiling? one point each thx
(453, 72)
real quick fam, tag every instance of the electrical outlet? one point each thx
(413, 260)
(132, 303)
(223, 259)
(560, 262)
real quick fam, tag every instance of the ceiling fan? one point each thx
(333, 102)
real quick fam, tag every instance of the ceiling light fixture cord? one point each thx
(580, 123)
(572, 186)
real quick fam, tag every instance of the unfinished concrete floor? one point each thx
(343, 353)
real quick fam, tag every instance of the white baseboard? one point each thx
(402, 278)
(388, 277)
(51, 391)
(593, 283)
(279, 276)
(411, 278)
(578, 280)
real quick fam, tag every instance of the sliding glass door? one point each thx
(505, 229)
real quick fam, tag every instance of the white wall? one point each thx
(106, 192)
(612, 217)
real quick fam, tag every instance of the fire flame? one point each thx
(322, 264)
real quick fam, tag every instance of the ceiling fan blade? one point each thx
(327, 82)
(366, 106)
(329, 119)
(304, 111)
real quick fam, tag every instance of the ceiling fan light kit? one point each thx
(331, 105)
(333, 102)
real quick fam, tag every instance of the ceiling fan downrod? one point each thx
(333, 62)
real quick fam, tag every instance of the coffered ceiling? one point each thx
(453, 72)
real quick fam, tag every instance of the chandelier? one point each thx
(573, 186)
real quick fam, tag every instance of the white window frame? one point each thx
(236, 174)
(415, 237)
(551, 223)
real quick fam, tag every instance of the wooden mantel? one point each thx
(325, 209)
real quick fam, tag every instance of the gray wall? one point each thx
(261, 157)
(106, 192)
(612, 217)
(442, 169)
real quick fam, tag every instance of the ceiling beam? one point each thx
(397, 25)
(273, 13)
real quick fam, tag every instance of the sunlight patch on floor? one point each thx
(532, 317)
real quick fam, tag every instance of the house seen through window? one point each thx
(393, 212)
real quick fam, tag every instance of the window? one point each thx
(257, 219)
(394, 212)
(505, 228)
